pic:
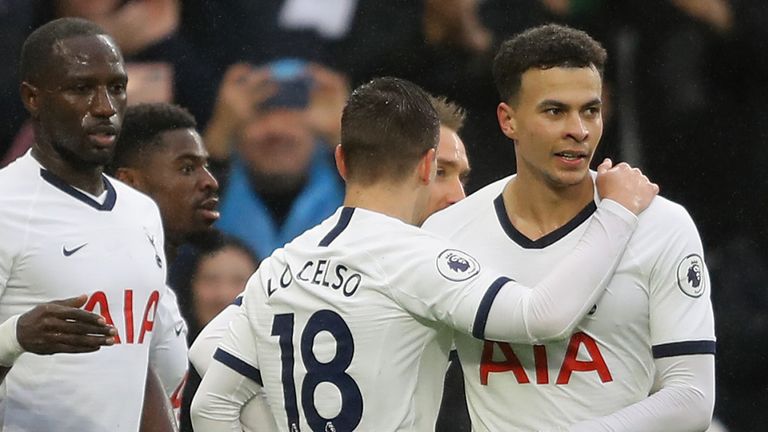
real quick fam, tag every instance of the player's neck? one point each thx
(537, 209)
(398, 201)
(87, 179)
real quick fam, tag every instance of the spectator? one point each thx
(267, 137)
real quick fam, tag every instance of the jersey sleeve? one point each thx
(9, 247)
(684, 401)
(168, 347)
(237, 349)
(681, 317)
(202, 350)
(440, 283)
(436, 281)
(6, 261)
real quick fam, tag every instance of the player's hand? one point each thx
(62, 327)
(625, 185)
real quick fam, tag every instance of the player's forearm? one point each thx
(156, 416)
(683, 404)
(256, 416)
(220, 398)
(552, 309)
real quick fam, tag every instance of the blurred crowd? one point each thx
(267, 81)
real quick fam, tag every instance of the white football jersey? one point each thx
(57, 243)
(351, 318)
(656, 305)
(168, 350)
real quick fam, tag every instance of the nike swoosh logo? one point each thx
(179, 329)
(68, 252)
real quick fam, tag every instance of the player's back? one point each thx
(337, 346)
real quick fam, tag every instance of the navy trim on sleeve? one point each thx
(341, 225)
(684, 348)
(478, 329)
(238, 366)
(238, 301)
(60, 184)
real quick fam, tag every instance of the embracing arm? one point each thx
(552, 309)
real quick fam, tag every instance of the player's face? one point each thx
(218, 280)
(278, 143)
(81, 101)
(176, 176)
(452, 172)
(556, 124)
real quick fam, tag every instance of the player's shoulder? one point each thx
(358, 235)
(129, 194)
(457, 216)
(133, 201)
(664, 214)
(19, 176)
(20, 183)
(375, 230)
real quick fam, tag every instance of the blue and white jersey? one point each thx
(656, 305)
(344, 324)
(58, 242)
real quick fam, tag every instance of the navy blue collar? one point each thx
(554, 236)
(60, 184)
(341, 225)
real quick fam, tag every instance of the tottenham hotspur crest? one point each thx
(690, 276)
(151, 239)
(456, 265)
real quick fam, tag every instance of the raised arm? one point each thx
(552, 309)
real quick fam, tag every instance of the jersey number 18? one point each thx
(333, 372)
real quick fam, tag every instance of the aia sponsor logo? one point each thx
(99, 303)
(572, 362)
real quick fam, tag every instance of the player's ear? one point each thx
(427, 167)
(128, 176)
(30, 98)
(341, 164)
(505, 114)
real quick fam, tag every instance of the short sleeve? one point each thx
(168, 347)
(238, 348)
(681, 317)
(205, 344)
(6, 261)
(435, 281)
(8, 250)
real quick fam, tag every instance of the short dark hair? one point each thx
(37, 49)
(450, 114)
(386, 126)
(544, 47)
(142, 126)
